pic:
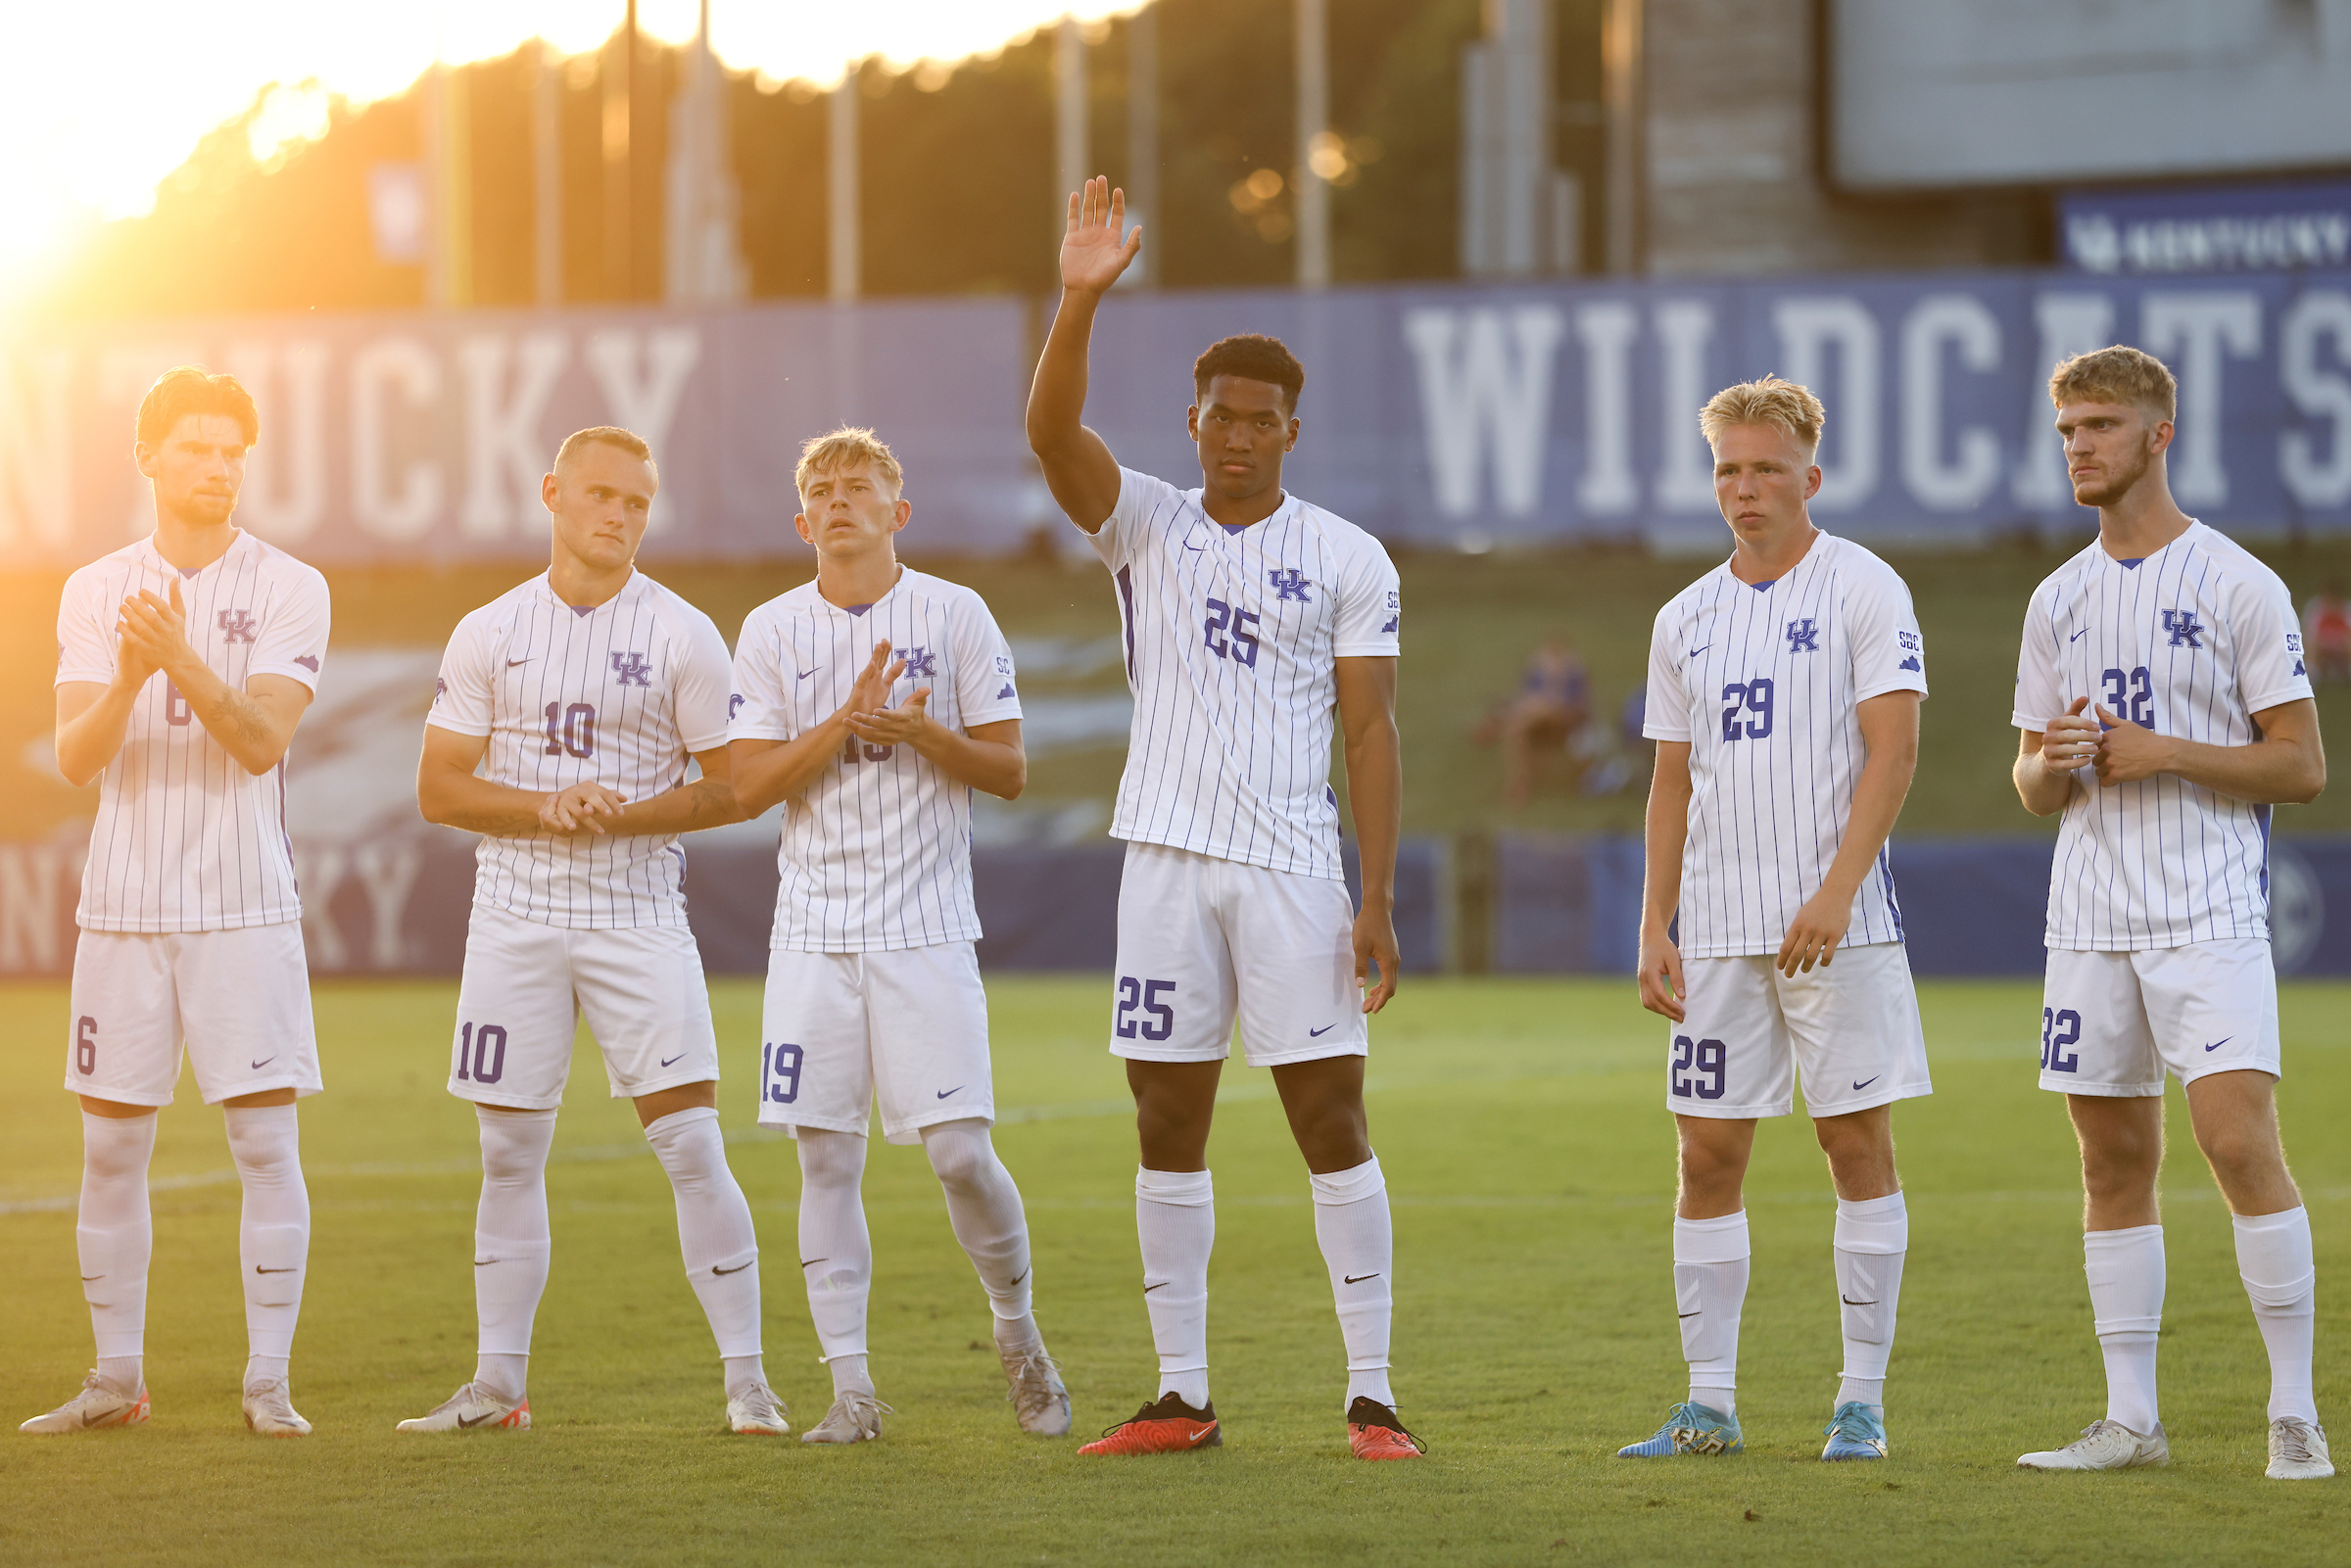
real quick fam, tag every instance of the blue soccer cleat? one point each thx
(1689, 1429)
(1855, 1432)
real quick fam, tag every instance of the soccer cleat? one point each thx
(473, 1406)
(756, 1412)
(1040, 1402)
(2104, 1445)
(101, 1403)
(854, 1418)
(1374, 1433)
(270, 1411)
(2297, 1450)
(1169, 1426)
(1854, 1432)
(1689, 1429)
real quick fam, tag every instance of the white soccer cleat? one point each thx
(2297, 1450)
(756, 1412)
(270, 1411)
(472, 1406)
(1040, 1401)
(854, 1418)
(101, 1405)
(2105, 1446)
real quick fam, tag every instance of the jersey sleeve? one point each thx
(1370, 606)
(85, 641)
(462, 695)
(760, 711)
(1882, 637)
(1665, 715)
(2267, 641)
(1141, 496)
(985, 688)
(2039, 698)
(293, 637)
(703, 686)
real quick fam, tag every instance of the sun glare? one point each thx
(129, 89)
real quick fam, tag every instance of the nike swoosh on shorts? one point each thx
(675, 1060)
(2223, 1040)
(944, 1093)
(1866, 1083)
(266, 1060)
(1313, 1035)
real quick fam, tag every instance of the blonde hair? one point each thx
(612, 436)
(2118, 374)
(1782, 405)
(846, 447)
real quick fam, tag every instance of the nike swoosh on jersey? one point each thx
(2079, 636)
(1314, 1034)
(513, 663)
(2223, 1040)
(1696, 652)
(1866, 1083)
(806, 674)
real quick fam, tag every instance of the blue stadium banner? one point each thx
(2208, 228)
(1442, 417)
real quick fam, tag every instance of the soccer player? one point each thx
(184, 663)
(1784, 688)
(1252, 619)
(872, 985)
(2163, 709)
(586, 689)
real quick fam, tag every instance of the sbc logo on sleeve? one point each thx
(1912, 648)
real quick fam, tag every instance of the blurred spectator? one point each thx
(2327, 634)
(1550, 706)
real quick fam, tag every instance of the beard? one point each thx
(2114, 486)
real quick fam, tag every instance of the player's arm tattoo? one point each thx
(238, 715)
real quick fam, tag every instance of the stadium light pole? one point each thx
(842, 260)
(1071, 133)
(1621, 80)
(546, 174)
(1314, 125)
(619, 94)
(1143, 140)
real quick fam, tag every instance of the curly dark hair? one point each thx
(1255, 356)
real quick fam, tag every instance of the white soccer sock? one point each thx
(510, 1244)
(983, 1205)
(1710, 1288)
(115, 1237)
(274, 1232)
(1359, 1248)
(2281, 1277)
(714, 1225)
(2125, 1275)
(1175, 1221)
(1872, 1238)
(837, 1254)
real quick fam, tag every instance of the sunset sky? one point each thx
(116, 94)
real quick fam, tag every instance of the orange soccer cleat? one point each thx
(1170, 1426)
(1374, 1433)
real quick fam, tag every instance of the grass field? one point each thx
(1529, 1158)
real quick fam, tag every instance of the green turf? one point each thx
(1529, 1159)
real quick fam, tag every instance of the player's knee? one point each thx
(832, 1159)
(961, 1155)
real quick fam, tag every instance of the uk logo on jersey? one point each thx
(1288, 583)
(922, 664)
(1803, 637)
(2184, 627)
(237, 625)
(632, 669)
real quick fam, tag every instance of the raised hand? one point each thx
(901, 725)
(155, 632)
(1092, 252)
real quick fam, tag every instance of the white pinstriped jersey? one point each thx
(876, 852)
(187, 839)
(2191, 642)
(618, 694)
(1765, 682)
(1230, 640)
